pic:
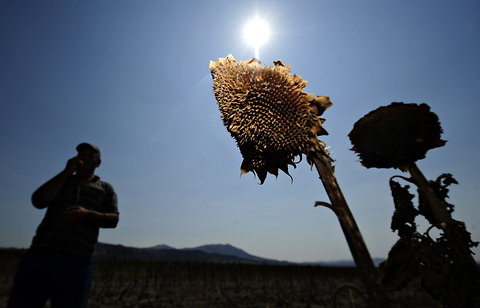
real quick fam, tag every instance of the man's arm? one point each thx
(98, 219)
(45, 194)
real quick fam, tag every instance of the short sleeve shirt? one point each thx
(75, 238)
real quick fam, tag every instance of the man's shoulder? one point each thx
(106, 185)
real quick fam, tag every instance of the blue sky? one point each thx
(132, 77)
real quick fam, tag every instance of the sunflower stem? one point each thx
(358, 248)
(439, 210)
(442, 216)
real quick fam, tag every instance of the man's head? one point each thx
(89, 155)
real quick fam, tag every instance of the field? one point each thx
(181, 284)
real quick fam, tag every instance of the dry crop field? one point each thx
(187, 284)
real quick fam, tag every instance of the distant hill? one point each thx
(228, 250)
(219, 253)
(208, 253)
(158, 247)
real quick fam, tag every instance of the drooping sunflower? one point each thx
(396, 135)
(266, 111)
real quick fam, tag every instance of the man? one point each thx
(58, 265)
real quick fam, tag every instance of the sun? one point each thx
(256, 33)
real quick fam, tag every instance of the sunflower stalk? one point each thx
(358, 248)
(439, 210)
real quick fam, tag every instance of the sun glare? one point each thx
(256, 34)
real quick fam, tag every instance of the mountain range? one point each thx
(218, 253)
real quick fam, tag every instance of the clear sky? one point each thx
(132, 77)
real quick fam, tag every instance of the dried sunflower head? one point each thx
(396, 135)
(267, 113)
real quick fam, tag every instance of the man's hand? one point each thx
(76, 214)
(45, 194)
(72, 165)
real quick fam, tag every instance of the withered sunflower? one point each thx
(395, 136)
(267, 113)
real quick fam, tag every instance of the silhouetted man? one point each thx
(58, 264)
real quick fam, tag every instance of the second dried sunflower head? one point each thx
(396, 135)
